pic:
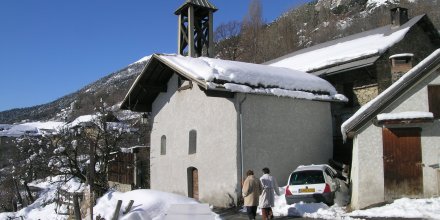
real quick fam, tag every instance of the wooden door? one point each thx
(402, 159)
(195, 182)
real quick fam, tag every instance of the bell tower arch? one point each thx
(195, 31)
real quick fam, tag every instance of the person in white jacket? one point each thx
(267, 198)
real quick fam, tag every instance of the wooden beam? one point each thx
(191, 48)
(406, 121)
(179, 37)
(211, 35)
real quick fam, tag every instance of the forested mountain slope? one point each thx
(250, 40)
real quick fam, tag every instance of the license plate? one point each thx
(309, 190)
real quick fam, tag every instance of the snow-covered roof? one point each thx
(30, 128)
(254, 75)
(375, 106)
(53, 127)
(229, 76)
(405, 116)
(82, 119)
(366, 45)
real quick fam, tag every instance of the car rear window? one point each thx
(307, 177)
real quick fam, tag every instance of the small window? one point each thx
(163, 145)
(192, 142)
(401, 60)
(434, 100)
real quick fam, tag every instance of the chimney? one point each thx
(195, 31)
(400, 64)
(399, 16)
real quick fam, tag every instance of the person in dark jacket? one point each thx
(251, 192)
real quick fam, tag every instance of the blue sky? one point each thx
(50, 48)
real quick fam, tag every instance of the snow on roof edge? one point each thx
(258, 75)
(405, 115)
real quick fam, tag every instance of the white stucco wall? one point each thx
(367, 171)
(282, 133)
(175, 113)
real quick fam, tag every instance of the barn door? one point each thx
(193, 183)
(402, 159)
(195, 177)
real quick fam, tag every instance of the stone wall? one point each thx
(120, 186)
(366, 93)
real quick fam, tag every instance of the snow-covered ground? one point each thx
(153, 205)
(44, 207)
(401, 208)
(148, 204)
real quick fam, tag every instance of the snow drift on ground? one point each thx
(153, 205)
(148, 204)
(44, 207)
(405, 208)
(401, 208)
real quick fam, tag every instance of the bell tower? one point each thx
(195, 32)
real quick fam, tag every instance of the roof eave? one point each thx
(132, 103)
(125, 105)
(206, 5)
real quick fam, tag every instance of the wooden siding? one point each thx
(121, 169)
(434, 100)
(402, 158)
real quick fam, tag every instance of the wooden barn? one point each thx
(129, 169)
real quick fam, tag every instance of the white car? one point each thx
(312, 183)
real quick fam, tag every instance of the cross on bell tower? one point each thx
(195, 30)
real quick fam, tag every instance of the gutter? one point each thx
(240, 116)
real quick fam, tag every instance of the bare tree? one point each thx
(227, 40)
(251, 35)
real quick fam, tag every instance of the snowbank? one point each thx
(401, 208)
(405, 208)
(153, 205)
(148, 204)
(44, 207)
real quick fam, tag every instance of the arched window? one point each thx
(163, 145)
(192, 142)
